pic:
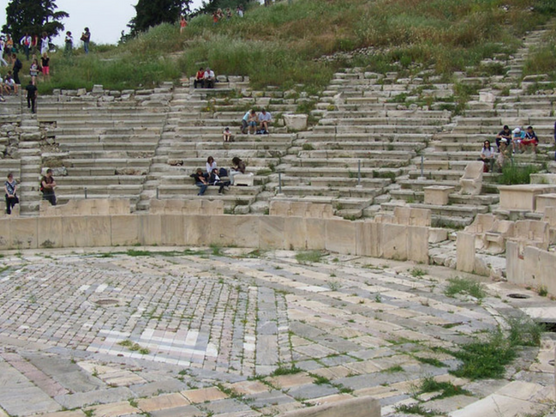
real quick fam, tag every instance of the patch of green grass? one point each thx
(308, 147)
(310, 257)
(393, 369)
(485, 360)
(286, 371)
(523, 331)
(216, 250)
(516, 174)
(543, 291)
(320, 380)
(418, 272)
(431, 361)
(465, 286)
(416, 409)
(447, 389)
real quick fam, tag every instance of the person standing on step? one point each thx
(183, 23)
(86, 38)
(45, 61)
(44, 43)
(32, 93)
(10, 187)
(16, 68)
(47, 187)
(2, 49)
(26, 43)
(69, 44)
(34, 71)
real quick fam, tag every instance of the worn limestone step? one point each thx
(349, 164)
(345, 192)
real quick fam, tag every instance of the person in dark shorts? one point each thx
(47, 187)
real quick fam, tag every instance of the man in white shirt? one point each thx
(264, 118)
(209, 78)
(26, 43)
(2, 46)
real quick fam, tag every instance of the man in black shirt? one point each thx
(16, 68)
(32, 96)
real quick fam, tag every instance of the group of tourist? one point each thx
(218, 14)
(253, 122)
(204, 78)
(214, 176)
(47, 186)
(509, 142)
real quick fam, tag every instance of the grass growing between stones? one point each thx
(306, 258)
(487, 359)
(416, 409)
(286, 371)
(446, 389)
(516, 174)
(465, 286)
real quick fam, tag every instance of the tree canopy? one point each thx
(33, 17)
(150, 13)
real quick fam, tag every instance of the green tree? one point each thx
(150, 13)
(33, 17)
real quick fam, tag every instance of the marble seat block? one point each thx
(472, 180)
(244, 179)
(482, 224)
(522, 197)
(412, 216)
(531, 233)
(545, 200)
(495, 239)
(437, 194)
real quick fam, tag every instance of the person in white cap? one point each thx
(517, 137)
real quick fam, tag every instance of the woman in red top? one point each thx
(199, 78)
(183, 23)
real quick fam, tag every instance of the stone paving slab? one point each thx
(198, 335)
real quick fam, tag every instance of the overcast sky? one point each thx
(105, 18)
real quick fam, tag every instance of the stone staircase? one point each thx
(376, 142)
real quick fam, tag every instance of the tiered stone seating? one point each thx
(106, 148)
(361, 125)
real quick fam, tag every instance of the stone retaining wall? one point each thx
(367, 238)
(533, 267)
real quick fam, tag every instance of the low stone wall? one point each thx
(533, 267)
(367, 238)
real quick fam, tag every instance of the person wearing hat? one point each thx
(505, 133)
(517, 137)
(264, 119)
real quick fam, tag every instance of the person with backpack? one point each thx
(47, 187)
(16, 68)
(10, 187)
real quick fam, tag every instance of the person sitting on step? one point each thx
(505, 133)
(487, 155)
(209, 78)
(264, 119)
(530, 141)
(199, 78)
(215, 179)
(238, 167)
(227, 135)
(200, 180)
